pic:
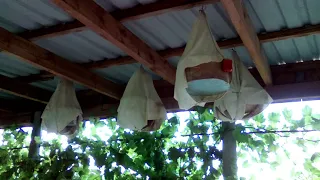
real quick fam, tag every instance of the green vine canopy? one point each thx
(189, 148)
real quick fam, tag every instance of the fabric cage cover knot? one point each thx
(245, 99)
(140, 106)
(201, 48)
(63, 112)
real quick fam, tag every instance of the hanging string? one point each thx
(203, 8)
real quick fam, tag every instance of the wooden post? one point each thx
(36, 130)
(229, 152)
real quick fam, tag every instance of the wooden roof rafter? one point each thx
(37, 97)
(229, 43)
(279, 93)
(224, 44)
(31, 53)
(242, 23)
(101, 22)
(137, 12)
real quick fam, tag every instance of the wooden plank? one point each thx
(157, 8)
(207, 71)
(40, 97)
(57, 65)
(20, 105)
(9, 119)
(101, 22)
(42, 76)
(295, 92)
(263, 37)
(53, 31)
(109, 62)
(26, 91)
(246, 31)
(225, 44)
(137, 12)
(289, 33)
(279, 93)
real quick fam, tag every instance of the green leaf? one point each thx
(307, 111)
(274, 119)
(259, 118)
(274, 165)
(207, 116)
(245, 164)
(315, 157)
(287, 114)
(37, 139)
(239, 136)
(174, 154)
(307, 120)
(200, 109)
(269, 138)
(174, 120)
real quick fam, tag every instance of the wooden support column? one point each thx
(36, 132)
(101, 22)
(246, 31)
(229, 152)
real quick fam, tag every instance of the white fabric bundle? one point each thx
(140, 106)
(245, 99)
(201, 48)
(63, 112)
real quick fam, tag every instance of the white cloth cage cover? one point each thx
(245, 99)
(140, 106)
(201, 48)
(63, 112)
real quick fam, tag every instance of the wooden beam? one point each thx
(42, 76)
(137, 12)
(101, 22)
(263, 37)
(226, 44)
(246, 31)
(280, 93)
(20, 105)
(53, 31)
(26, 91)
(57, 65)
(295, 92)
(40, 97)
(9, 119)
(306, 30)
(109, 62)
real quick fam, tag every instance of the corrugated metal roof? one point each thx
(11, 66)
(170, 30)
(4, 95)
(52, 84)
(18, 16)
(81, 47)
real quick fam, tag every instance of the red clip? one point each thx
(227, 65)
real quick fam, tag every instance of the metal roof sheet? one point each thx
(160, 32)
(12, 67)
(18, 16)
